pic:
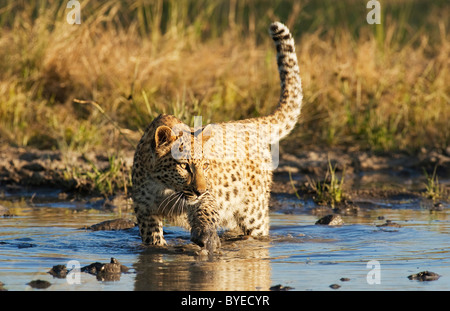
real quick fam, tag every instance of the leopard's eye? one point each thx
(184, 166)
(205, 166)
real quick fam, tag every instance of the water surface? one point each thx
(299, 254)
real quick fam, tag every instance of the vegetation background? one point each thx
(371, 87)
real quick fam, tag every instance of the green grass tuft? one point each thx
(330, 190)
(434, 190)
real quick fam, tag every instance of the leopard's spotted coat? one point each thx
(202, 192)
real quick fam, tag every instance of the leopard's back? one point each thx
(242, 183)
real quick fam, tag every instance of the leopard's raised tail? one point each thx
(290, 102)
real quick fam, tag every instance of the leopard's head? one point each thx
(179, 163)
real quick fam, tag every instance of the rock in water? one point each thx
(39, 284)
(59, 271)
(4, 212)
(330, 220)
(424, 276)
(106, 271)
(389, 223)
(115, 224)
(280, 288)
(113, 267)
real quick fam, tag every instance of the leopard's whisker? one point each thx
(173, 208)
(160, 206)
(182, 205)
(167, 201)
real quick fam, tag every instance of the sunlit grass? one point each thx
(377, 87)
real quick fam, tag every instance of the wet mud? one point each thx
(367, 174)
(47, 221)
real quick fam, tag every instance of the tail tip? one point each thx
(277, 28)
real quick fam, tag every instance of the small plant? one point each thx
(293, 187)
(115, 177)
(330, 191)
(434, 190)
(335, 187)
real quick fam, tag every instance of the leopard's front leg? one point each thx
(203, 218)
(151, 229)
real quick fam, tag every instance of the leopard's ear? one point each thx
(207, 132)
(164, 136)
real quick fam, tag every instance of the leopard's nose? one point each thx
(199, 191)
(199, 184)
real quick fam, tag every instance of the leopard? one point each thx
(219, 176)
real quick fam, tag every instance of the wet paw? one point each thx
(154, 240)
(207, 239)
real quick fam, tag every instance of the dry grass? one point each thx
(378, 87)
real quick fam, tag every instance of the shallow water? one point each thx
(298, 253)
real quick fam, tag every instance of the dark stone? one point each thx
(39, 284)
(93, 268)
(115, 224)
(59, 271)
(280, 288)
(4, 212)
(330, 220)
(106, 271)
(389, 223)
(424, 276)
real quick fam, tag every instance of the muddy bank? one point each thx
(366, 174)
(31, 168)
(315, 162)
(69, 172)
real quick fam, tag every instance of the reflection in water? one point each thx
(243, 265)
(299, 254)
